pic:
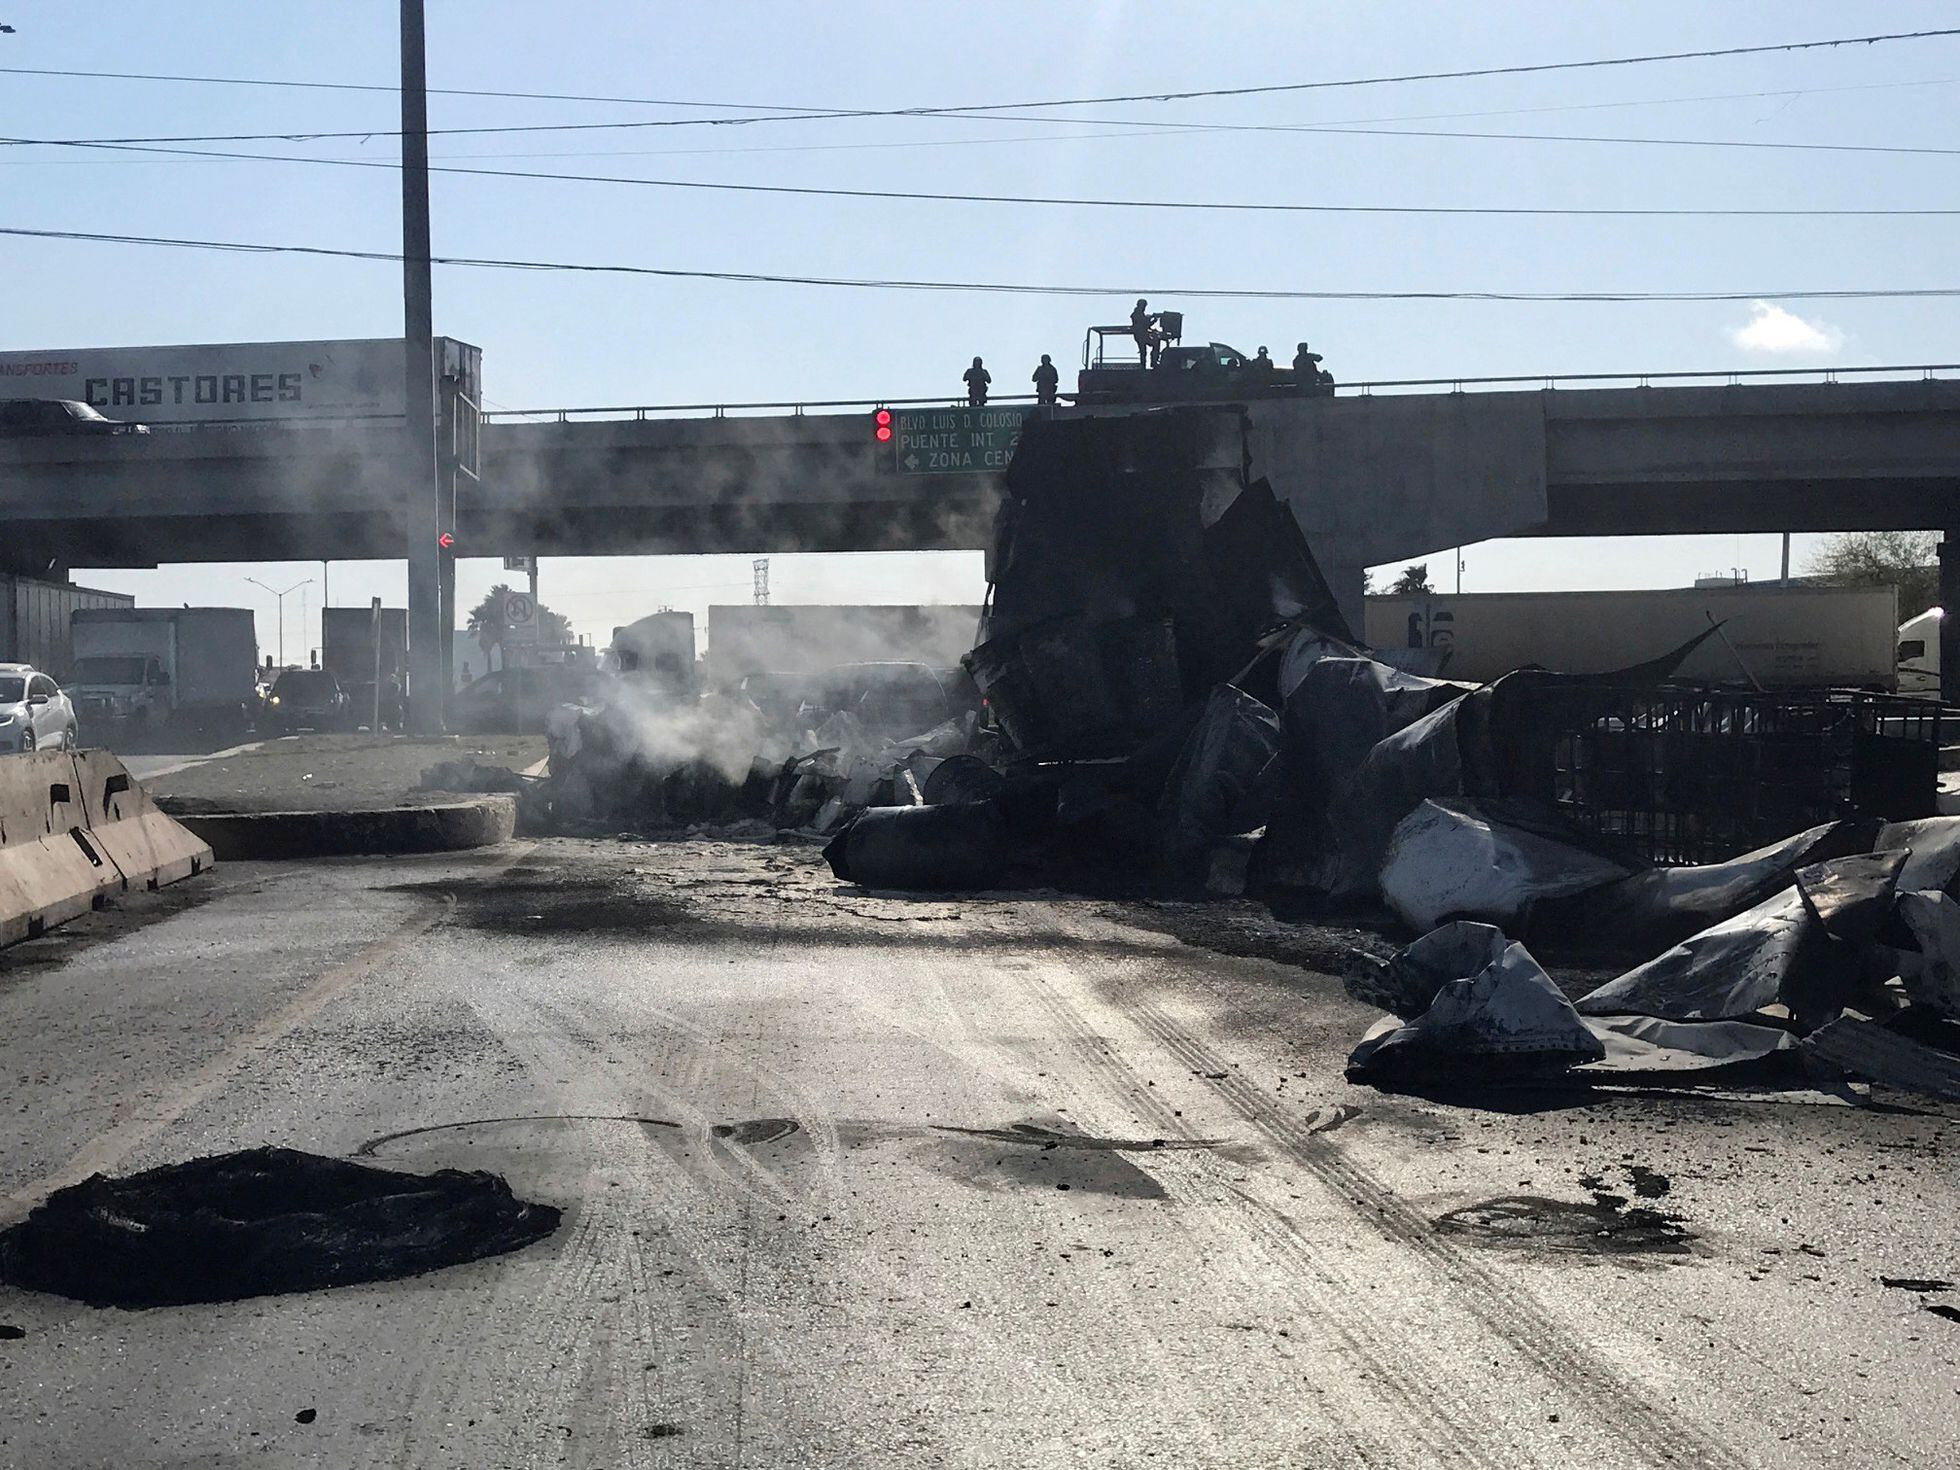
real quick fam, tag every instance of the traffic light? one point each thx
(883, 430)
(446, 541)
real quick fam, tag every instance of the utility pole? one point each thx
(427, 680)
(761, 566)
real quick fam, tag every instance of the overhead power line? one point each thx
(765, 112)
(161, 144)
(992, 287)
(1139, 129)
(1074, 202)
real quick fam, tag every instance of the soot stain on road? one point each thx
(1035, 1155)
(1607, 1226)
(754, 1131)
(528, 1120)
(1034, 1135)
(528, 902)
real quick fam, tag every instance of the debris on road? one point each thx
(258, 1223)
(1504, 1017)
(1223, 781)
(922, 847)
(1859, 1049)
(1838, 971)
(1484, 860)
(471, 777)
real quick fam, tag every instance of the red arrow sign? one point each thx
(445, 541)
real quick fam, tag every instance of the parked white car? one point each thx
(34, 713)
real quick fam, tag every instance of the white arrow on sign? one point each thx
(911, 461)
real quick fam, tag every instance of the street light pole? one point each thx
(281, 596)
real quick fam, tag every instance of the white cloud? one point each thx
(1772, 329)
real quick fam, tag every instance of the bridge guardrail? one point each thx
(1547, 381)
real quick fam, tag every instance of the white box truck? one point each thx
(184, 669)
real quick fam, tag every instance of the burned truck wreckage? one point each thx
(1164, 696)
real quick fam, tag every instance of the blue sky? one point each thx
(568, 340)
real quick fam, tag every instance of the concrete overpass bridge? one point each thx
(1508, 457)
(1380, 473)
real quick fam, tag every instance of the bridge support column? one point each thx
(1950, 624)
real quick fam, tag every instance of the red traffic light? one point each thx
(445, 541)
(883, 419)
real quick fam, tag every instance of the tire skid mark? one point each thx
(677, 1207)
(1015, 1363)
(1003, 1357)
(756, 1182)
(1506, 1311)
(1431, 1410)
(795, 1102)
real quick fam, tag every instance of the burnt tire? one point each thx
(257, 1223)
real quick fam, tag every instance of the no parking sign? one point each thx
(520, 618)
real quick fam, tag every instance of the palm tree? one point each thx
(486, 623)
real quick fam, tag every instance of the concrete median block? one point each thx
(51, 870)
(150, 848)
(451, 826)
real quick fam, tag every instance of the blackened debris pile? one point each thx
(258, 1223)
(1843, 972)
(1133, 569)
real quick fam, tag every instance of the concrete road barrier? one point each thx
(150, 848)
(449, 826)
(49, 871)
(75, 829)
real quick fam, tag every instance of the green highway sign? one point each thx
(955, 441)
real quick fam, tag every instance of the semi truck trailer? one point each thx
(1779, 637)
(366, 650)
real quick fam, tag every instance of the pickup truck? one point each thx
(1112, 372)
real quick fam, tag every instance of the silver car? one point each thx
(34, 713)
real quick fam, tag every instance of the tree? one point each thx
(1413, 578)
(486, 623)
(1909, 560)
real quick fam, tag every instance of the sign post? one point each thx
(520, 619)
(374, 627)
(955, 441)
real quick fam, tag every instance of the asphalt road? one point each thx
(850, 1180)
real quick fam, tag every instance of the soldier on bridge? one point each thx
(1307, 374)
(977, 378)
(1046, 380)
(1143, 327)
